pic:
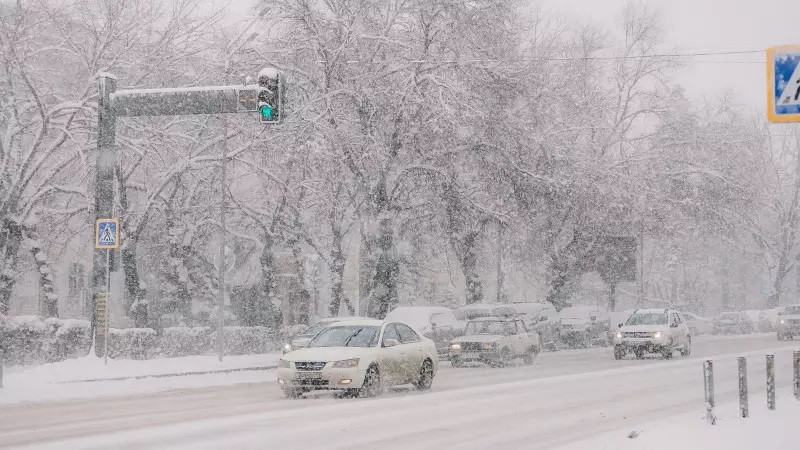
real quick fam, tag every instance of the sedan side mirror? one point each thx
(390, 342)
(619, 325)
(674, 325)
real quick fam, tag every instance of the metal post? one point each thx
(708, 384)
(771, 382)
(104, 185)
(108, 307)
(744, 410)
(796, 379)
(2, 361)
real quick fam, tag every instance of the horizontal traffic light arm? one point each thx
(185, 101)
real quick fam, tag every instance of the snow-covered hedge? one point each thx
(28, 340)
(184, 341)
(131, 343)
(31, 340)
(249, 340)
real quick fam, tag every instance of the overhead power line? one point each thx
(576, 58)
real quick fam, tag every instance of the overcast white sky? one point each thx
(714, 25)
(703, 25)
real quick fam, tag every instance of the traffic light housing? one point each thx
(269, 96)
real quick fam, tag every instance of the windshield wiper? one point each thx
(347, 342)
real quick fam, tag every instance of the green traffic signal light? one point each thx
(266, 112)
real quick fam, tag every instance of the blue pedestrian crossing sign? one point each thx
(783, 84)
(106, 233)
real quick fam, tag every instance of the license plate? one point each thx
(309, 375)
(470, 355)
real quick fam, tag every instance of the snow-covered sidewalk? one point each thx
(91, 377)
(774, 430)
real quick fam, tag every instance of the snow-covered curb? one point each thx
(48, 381)
(774, 430)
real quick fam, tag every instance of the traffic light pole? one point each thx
(104, 193)
(166, 102)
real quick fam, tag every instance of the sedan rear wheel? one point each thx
(425, 380)
(372, 383)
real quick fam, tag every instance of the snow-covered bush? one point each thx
(185, 341)
(67, 338)
(131, 343)
(31, 340)
(249, 340)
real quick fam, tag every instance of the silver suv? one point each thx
(653, 331)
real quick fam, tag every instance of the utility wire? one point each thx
(574, 58)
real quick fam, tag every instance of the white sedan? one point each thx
(360, 357)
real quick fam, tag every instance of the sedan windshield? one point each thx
(647, 319)
(346, 336)
(490, 327)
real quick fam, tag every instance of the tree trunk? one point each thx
(468, 257)
(10, 240)
(337, 274)
(136, 305)
(385, 295)
(49, 306)
(264, 308)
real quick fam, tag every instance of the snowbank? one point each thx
(774, 430)
(62, 380)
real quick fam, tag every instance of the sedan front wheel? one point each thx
(372, 383)
(425, 380)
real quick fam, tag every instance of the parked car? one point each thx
(359, 357)
(733, 323)
(434, 322)
(302, 339)
(495, 341)
(788, 324)
(467, 312)
(698, 325)
(653, 331)
(582, 326)
(539, 317)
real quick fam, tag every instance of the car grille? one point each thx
(637, 334)
(792, 321)
(310, 382)
(471, 346)
(309, 366)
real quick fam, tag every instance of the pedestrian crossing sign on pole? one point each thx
(783, 84)
(106, 234)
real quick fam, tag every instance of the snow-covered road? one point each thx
(565, 397)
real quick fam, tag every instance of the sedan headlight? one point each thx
(345, 363)
(488, 346)
(455, 347)
(284, 364)
(287, 348)
(657, 335)
(783, 321)
(619, 334)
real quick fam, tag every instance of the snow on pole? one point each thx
(796, 378)
(771, 382)
(708, 383)
(744, 410)
(1, 368)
